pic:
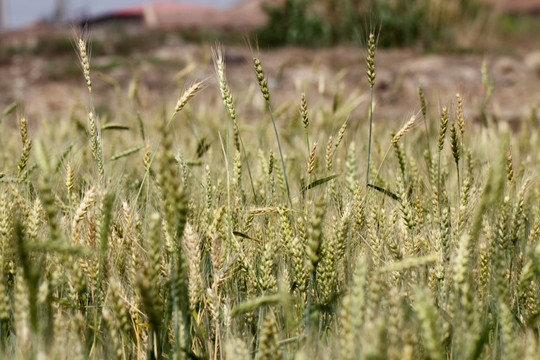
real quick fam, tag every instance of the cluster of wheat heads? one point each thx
(163, 245)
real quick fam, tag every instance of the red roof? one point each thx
(130, 11)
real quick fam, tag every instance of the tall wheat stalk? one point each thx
(263, 85)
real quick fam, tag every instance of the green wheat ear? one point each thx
(305, 117)
(27, 147)
(443, 125)
(370, 61)
(269, 347)
(95, 143)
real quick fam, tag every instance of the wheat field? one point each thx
(185, 231)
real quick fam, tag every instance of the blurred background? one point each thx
(316, 46)
(305, 22)
(17, 14)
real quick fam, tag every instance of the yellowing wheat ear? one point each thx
(85, 63)
(408, 126)
(186, 96)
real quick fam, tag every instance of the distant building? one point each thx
(518, 6)
(129, 15)
(246, 16)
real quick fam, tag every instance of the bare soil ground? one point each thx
(47, 86)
